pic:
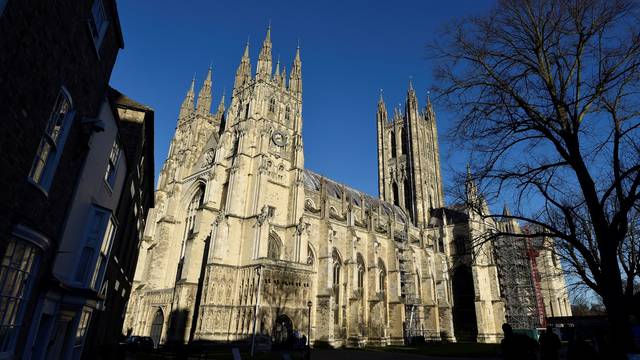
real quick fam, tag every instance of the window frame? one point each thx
(93, 25)
(55, 143)
(361, 273)
(35, 248)
(111, 174)
(98, 241)
(84, 321)
(3, 5)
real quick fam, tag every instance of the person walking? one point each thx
(549, 345)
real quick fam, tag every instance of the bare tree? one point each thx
(547, 95)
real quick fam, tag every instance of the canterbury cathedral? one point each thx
(243, 238)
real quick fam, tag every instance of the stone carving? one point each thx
(302, 226)
(208, 157)
(263, 215)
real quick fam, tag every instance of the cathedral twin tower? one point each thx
(243, 236)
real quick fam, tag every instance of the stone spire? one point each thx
(505, 210)
(221, 109)
(295, 79)
(276, 76)
(187, 105)
(428, 110)
(382, 109)
(381, 121)
(470, 185)
(204, 96)
(412, 100)
(263, 71)
(283, 84)
(243, 74)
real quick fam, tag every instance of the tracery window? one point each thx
(336, 267)
(275, 247)
(190, 226)
(287, 113)
(195, 204)
(382, 277)
(336, 286)
(361, 272)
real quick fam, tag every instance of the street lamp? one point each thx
(309, 304)
(255, 311)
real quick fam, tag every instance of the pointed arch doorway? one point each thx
(156, 327)
(282, 330)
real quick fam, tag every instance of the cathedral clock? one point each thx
(279, 138)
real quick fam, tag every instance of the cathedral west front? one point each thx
(243, 237)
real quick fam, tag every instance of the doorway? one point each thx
(283, 330)
(156, 327)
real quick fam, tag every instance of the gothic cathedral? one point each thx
(243, 238)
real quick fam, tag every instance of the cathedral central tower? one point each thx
(408, 159)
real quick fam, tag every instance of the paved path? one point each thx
(379, 355)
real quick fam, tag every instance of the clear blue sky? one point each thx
(350, 50)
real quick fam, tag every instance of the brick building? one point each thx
(66, 163)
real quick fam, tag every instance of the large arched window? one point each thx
(396, 197)
(461, 245)
(408, 204)
(403, 139)
(337, 263)
(382, 276)
(393, 143)
(336, 273)
(275, 247)
(192, 210)
(361, 272)
(190, 227)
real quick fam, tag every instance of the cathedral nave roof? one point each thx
(313, 181)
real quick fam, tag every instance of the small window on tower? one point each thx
(272, 105)
(287, 113)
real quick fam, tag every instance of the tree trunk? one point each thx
(617, 312)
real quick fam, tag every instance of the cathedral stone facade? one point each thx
(244, 238)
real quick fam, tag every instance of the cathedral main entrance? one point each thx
(282, 330)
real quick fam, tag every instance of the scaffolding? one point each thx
(409, 292)
(516, 282)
